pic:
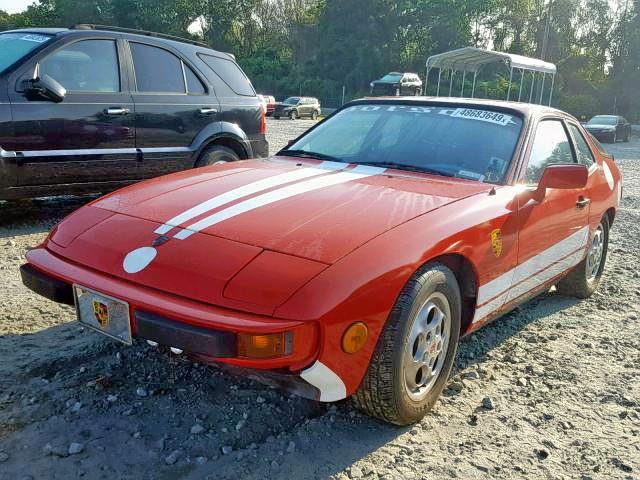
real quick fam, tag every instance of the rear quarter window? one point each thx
(230, 73)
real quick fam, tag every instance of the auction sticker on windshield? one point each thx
(482, 115)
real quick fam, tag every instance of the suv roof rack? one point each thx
(91, 26)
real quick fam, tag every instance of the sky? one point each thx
(13, 6)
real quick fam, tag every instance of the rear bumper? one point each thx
(167, 319)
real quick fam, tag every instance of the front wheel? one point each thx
(583, 280)
(293, 115)
(314, 115)
(416, 349)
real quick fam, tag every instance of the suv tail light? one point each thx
(263, 122)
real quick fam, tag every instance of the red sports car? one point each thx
(350, 263)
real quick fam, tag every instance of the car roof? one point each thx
(525, 109)
(176, 43)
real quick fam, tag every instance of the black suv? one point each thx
(297, 107)
(91, 108)
(395, 83)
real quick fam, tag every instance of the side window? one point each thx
(550, 146)
(194, 85)
(85, 66)
(156, 70)
(585, 156)
(230, 73)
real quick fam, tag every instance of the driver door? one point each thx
(553, 232)
(89, 137)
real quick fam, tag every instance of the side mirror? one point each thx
(45, 87)
(565, 176)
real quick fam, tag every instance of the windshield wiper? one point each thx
(410, 168)
(308, 154)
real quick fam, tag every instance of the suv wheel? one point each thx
(314, 115)
(215, 155)
(293, 114)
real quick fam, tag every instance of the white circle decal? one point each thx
(139, 259)
(608, 175)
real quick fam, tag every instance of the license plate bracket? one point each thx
(107, 315)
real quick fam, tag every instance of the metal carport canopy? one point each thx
(471, 59)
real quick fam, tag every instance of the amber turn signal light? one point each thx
(354, 337)
(264, 345)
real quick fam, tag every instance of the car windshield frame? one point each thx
(501, 166)
(34, 40)
(598, 120)
(287, 101)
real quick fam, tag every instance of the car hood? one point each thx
(279, 220)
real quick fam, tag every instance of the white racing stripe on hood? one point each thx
(361, 171)
(246, 190)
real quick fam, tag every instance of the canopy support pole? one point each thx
(426, 81)
(521, 83)
(450, 81)
(553, 77)
(542, 87)
(464, 75)
(473, 88)
(510, 78)
(439, 75)
(533, 82)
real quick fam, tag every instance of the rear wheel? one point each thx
(416, 349)
(215, 155)
(583, 280)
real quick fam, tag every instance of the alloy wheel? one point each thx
(426, 346)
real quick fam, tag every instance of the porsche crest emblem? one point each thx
(101, 311)
(496, 242)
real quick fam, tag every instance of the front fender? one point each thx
(364, 285)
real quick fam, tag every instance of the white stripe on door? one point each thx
(246, 190)
(361, 171)
(548, 264)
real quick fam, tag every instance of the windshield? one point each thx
(14, 46)
(602, 120)
(391, 77)
(291, 101)
(464, 142)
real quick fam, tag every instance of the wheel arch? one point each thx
(467, 277)
(238, 145)
(611, 215)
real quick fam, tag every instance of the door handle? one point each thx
(583, 202)
(116, 111)
(208, 111)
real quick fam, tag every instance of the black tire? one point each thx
(277, 117)
(579, 283)
(293, 115)
(383, 392)
(418, 92)
(314, 115)
(397, 92)
(216, 154)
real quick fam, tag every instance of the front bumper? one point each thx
(171, 320)
(207, 332)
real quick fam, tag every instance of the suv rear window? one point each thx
(230, 73)
(156, 69)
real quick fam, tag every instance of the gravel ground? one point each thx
(550, 391)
